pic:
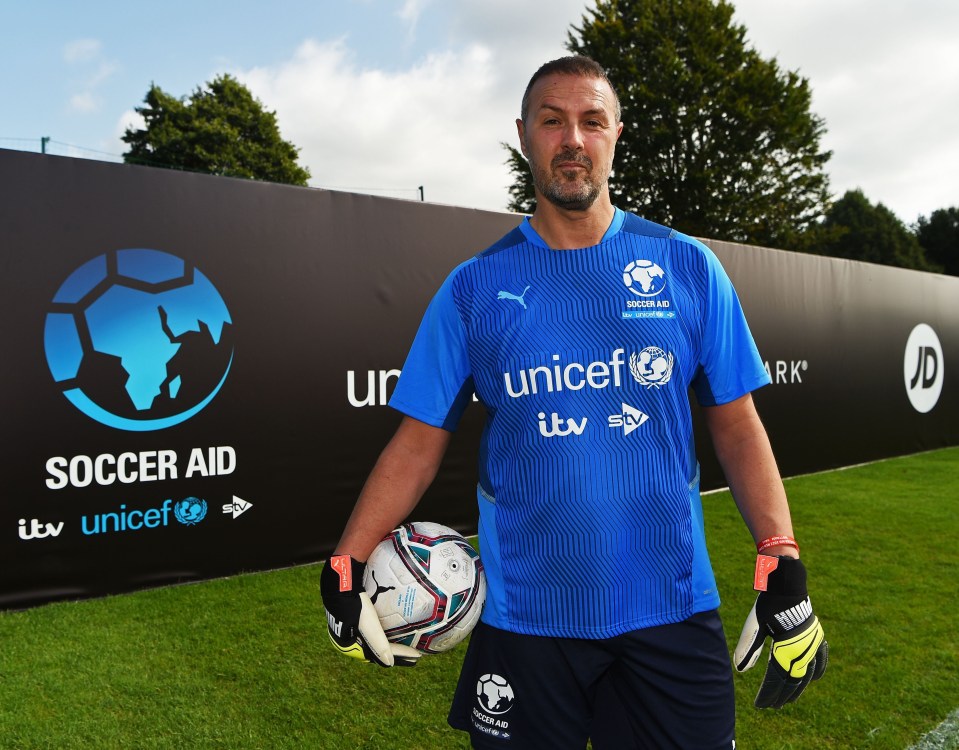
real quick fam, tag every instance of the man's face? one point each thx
(569, 137)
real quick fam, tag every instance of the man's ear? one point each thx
(521, 131)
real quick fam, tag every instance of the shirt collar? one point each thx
(619, 218)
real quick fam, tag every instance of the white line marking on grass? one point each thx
(943, 737)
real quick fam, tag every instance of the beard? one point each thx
(573, 190)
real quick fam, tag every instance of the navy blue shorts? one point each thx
(652, 689)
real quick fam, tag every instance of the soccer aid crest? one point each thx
(644, 278)
(138, 339)
(427, 585)
(495, 694)
(494, 698)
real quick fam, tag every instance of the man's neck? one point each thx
(567, 230)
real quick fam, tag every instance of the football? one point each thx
(428, 586)
(645, 278)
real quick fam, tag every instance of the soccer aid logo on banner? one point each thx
(138, 340)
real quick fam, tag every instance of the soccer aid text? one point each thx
(143, 466)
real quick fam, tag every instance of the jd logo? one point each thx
(923, 368)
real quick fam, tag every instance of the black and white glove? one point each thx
(351, 619)
(799, 652)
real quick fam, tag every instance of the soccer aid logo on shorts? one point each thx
(644, 278)
(495, 695)
(138, 340)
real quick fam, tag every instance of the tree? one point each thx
(718, 141)
(522, 196)
(856, 229)
(222, 129)
(939, 237)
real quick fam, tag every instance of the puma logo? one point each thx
(379, 589)
(514, 297)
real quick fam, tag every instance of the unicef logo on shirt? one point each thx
(138, 340)
(652, 367)
(644, 278)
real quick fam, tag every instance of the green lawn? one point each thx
(245, 663)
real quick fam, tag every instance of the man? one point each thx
(581, 332)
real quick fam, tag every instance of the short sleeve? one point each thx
(730, 366)
(436, 383)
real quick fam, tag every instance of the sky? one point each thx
(385, 96)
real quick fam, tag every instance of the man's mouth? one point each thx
(567, 162)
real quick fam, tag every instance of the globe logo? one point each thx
(652, 367)
(138, 340)
(190, 511)
(644, 278)
(494, 694)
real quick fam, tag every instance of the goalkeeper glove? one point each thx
(799, 652)
(352, 621)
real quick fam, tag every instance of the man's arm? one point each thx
(799, 652)
(746, 457)
(405, 469)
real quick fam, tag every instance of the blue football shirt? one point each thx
(590, 519)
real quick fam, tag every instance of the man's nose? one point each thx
(572, 136)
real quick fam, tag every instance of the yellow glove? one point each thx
(351, 619)
(799, 651)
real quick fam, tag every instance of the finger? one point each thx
(798, 688)
(750, 643)
(773, 691)
(778, 688)
(404, 656)
(796, 653)
(354, 649)
(371, 632)
(822, 660)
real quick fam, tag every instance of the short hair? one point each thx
(573, 65)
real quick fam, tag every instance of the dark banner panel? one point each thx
(864, 358)
(196, 368)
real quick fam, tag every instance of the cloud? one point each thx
(129, 119)
(437, 123)
(81, 50)
(86, 57)
(367, 129)
(411, 11)
(885, 78)
(83, 102)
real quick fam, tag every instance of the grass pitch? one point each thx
(244, 662)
